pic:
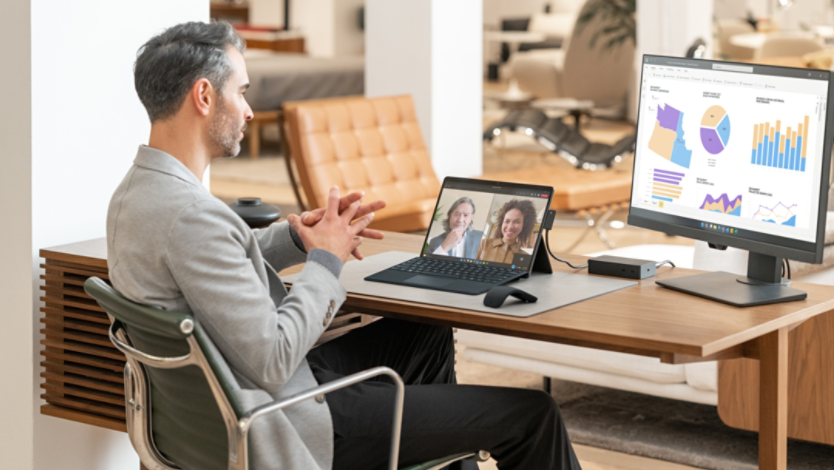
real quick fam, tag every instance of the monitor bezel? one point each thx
(502, 185)
(640, 217)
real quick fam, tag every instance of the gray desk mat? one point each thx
(553, 290)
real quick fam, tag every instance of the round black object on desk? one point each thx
(255, 214)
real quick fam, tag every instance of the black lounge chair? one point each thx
(561, 139)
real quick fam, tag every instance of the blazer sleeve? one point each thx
(278, 247)
(436, 242)
(207, 256)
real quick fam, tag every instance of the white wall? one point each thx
(432, 50)
(348, 38)
(329, 26)
(669, 27)
(266, 12)
(68, 141)
(398, 54)
(315, 19)
(16, 363)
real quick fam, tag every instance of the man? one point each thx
(458, 239)
(173, 245)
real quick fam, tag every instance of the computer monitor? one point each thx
(736, 155)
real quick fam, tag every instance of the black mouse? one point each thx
(498, 294)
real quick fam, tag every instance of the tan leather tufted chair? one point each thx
(360, 144)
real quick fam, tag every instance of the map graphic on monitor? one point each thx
(667, 138)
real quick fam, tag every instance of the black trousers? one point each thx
(522, 429)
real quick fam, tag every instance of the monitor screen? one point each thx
(487, 223)
(734, 150)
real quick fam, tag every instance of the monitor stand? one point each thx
(763, 284)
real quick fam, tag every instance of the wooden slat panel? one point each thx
(86, 371)
(110, 353)
(90, 338)
(84, 404)
(83, 417)
(87, 359)
(59, 292)
(89, 327)
(80, 314)
(88, 393)
(53, 269)
(84, 382)
(66, 278)
(79, 303)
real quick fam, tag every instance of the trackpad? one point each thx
(429, 281)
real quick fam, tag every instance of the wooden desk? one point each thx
(645, 320)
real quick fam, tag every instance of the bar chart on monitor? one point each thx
(666, 185)
(778, 148)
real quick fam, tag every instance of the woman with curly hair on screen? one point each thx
(517, 219)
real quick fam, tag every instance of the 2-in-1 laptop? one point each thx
(483, 234)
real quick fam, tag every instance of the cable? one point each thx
(547, 246)
(668, 261)
(788, 264)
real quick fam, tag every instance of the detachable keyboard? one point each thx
(457, 270)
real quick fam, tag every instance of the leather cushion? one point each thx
(371, 145)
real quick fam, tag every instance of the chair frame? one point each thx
(138, 402)
(292, 169)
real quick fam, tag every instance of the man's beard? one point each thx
(224, 132)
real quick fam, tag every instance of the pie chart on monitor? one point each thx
(715, 130)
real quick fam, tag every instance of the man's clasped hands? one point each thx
(340, 227)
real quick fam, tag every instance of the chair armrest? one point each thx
(246, 421)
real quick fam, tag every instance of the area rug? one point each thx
(670, 430)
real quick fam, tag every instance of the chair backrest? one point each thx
(787, 46)
(594, 73)
(182, 419)
(360, 144)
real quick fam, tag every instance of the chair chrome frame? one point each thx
(138, 410)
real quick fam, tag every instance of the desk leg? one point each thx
(773, 401)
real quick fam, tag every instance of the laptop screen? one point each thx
(487, 223)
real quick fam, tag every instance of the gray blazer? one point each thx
(173, 245)
(470, 243)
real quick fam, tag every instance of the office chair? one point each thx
(181, 411)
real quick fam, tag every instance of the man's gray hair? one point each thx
(455, 205)
(169, 64)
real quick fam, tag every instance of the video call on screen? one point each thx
(490, 227)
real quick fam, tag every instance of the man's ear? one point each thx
(202, 95)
